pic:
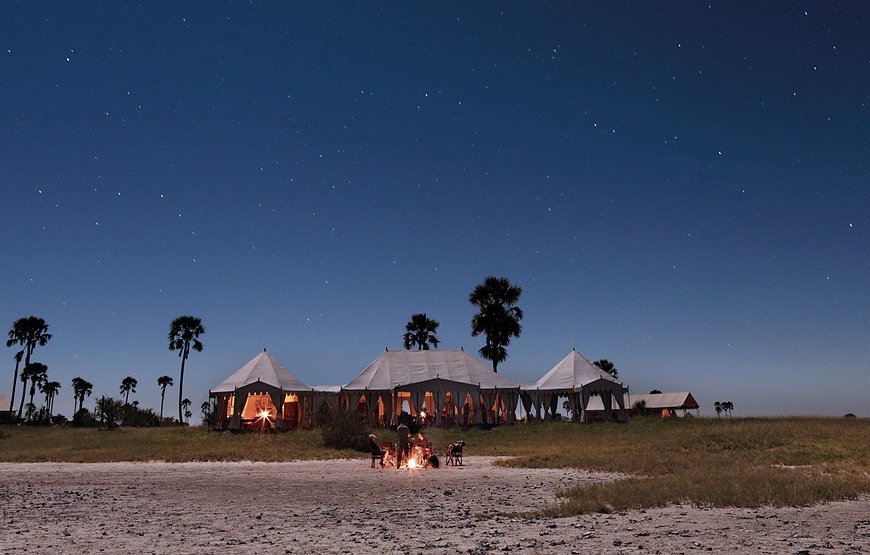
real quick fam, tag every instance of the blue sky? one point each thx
(679, 187)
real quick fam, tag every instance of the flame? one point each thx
(264, 414)
(412, 463)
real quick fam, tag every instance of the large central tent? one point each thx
(262, 392)
(447, 384)
(577, 379)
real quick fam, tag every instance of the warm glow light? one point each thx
(412, 463)
(264, 414)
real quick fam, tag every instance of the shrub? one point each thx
(141, 418)
(109, 412)
(325, 415)
(346, 430)
(83, 419)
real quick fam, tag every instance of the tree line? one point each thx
(498, 320)
(31, 332)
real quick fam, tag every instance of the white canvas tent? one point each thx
(449, 384)
(259, 394)
(577, 379)
(4, 403)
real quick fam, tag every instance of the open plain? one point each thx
(343, 506)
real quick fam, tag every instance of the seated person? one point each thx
(423, 441)
(377, 452)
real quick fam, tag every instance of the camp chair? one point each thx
(389, 454)
(454, 453)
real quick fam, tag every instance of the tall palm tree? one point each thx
(27, 332)
(50, 389)
(128, 384)
(607, 366)
(498, 317)
(163, 382)
(18, 357)
(81, 387)
(183, 336)
(37, 373)
(420, 332)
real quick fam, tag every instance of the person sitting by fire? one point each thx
(423, 441)
(377, 452)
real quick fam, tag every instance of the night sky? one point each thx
(682, 188)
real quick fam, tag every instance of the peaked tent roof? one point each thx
(679, 400)
(4, 403)
(572, 372)
(399, 368)
(266, 369)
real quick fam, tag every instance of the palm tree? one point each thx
(728, 406)
(81, 387)
(717, 406)
(420, 332)
(163, 382)
(498, 317)
(18, 357)
(607, 366)
(185, 404)
(27, 332)
(50, 389)
(183, 336)
(128, 385)
(36, 372)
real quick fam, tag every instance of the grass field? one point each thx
(704, 462)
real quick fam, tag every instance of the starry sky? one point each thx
(682, 188)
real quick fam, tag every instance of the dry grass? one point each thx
(704, 462)
(174, 444)
(709, 462)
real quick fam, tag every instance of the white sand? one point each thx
(346, 507)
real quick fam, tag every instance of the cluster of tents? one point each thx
(441, 387)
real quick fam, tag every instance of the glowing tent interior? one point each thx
(441, 386)
(262, 394)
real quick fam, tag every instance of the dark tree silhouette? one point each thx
(50, 389)
(27, 332)
(109, 411)
(37, 373)
(18, 357)
(183, 336)
(498, 317)
(717, 406)
(185, 404)
(420, 332)
(128, 385)
(81, 388)
(607, 366)
(655, 391)
(163, 382)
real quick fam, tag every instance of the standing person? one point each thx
(404, 443)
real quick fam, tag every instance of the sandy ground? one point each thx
(346, 507)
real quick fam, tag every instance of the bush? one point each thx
(109, 412)
(346, 430)
(325, 415)
(83, 419)
(140, 418)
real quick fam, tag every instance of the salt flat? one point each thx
(345, 507)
